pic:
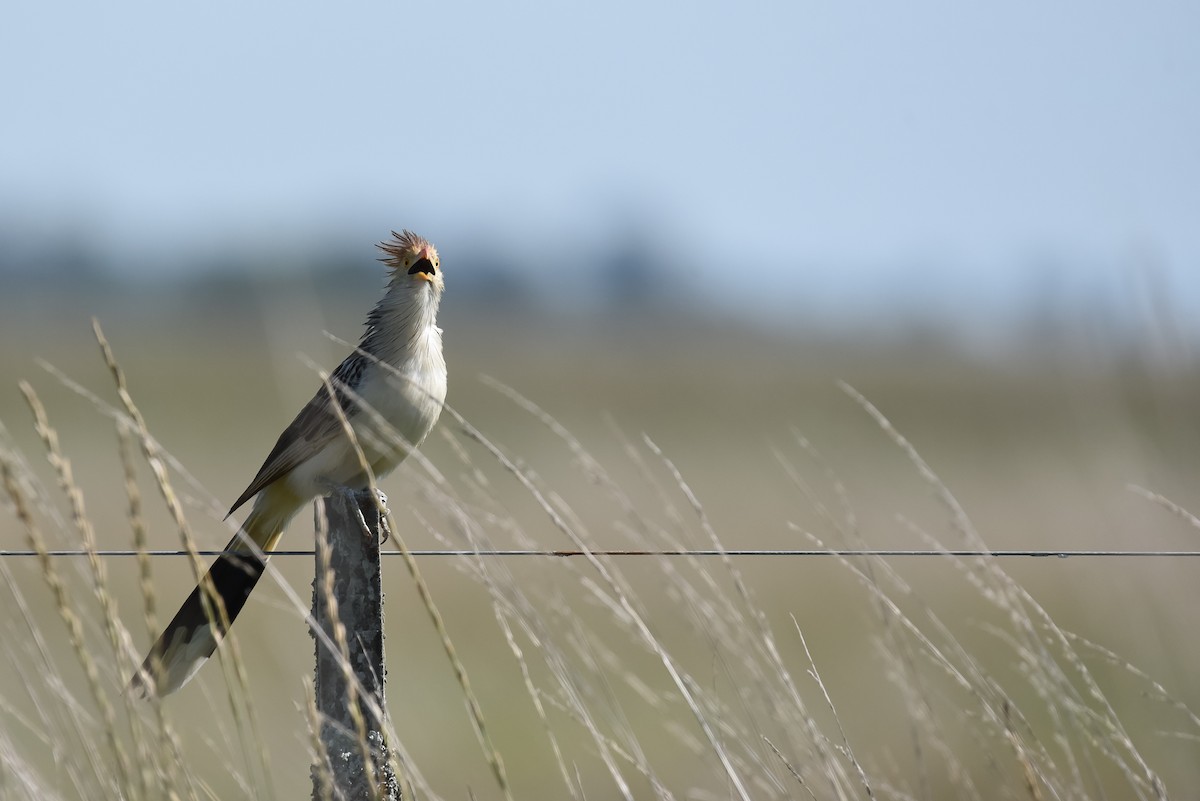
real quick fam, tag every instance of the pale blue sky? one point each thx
(844, 148)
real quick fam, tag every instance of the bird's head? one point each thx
(414, 261)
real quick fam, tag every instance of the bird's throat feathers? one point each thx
(404, 320)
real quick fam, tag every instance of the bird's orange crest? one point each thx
(402, 245)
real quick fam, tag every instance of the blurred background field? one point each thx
(1038, 445)
(683, 226)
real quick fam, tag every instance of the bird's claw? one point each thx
(381, 508)
(363, 499)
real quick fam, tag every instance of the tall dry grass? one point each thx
(630, 669)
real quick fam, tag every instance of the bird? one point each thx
(395, 379)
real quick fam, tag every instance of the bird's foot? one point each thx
(384, 527)
(363, 502)
(380, 507)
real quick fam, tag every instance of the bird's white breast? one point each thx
(407, 392)
(399, 400)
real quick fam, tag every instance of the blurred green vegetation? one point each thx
(1038, 443)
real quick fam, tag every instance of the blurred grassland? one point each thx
(1038, 446)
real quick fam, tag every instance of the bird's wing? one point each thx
(314, 427)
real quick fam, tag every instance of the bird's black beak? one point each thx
(423, 266)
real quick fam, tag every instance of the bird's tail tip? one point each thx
(167, 670)
(140, 686)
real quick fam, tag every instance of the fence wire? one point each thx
(704, 552)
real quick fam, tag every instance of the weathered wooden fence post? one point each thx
(349, 686)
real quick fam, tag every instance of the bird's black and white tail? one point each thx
(191, 637)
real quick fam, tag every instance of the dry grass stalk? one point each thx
(66, 609)
(239, 697)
